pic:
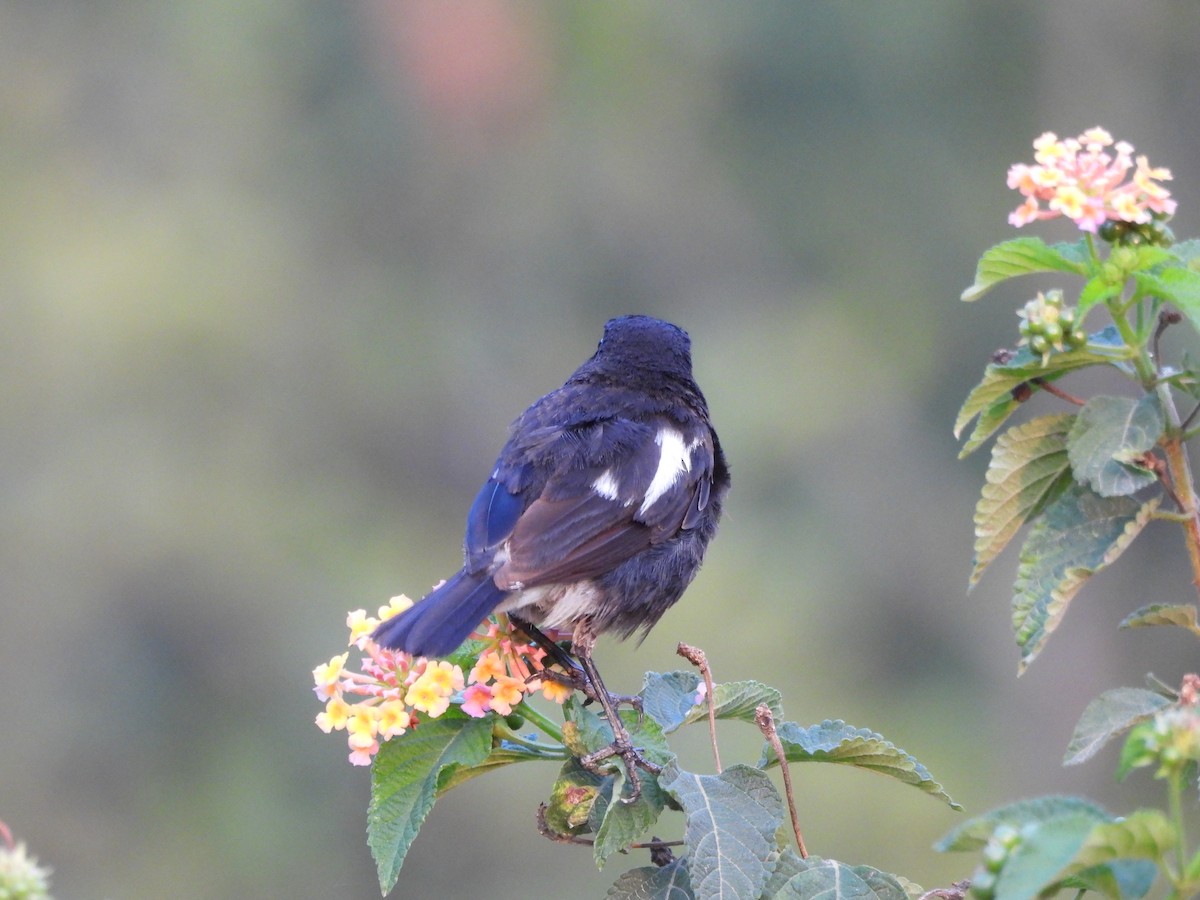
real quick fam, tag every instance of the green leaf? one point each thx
(829, 879)
(836, 742)
(669, 882)
(731, 820)
(1120, 859)
(1107, 716)
(1068, 839)
(572, 799)
(408, 773)
(504, 753)
(989, 422)
(1097, 290)
(1179, 286)
(617, 825)
(1108, 435)
(1077, 535)
(975, 833)
(1042, 856)
(1182, 615)
(1186, 251)
(1028, 469)
(1122, 879)
(671, 699)
(1024, 256)
(786, 863)
(992, 399)
(1150, 256)
(668, 698)
(1144, 834)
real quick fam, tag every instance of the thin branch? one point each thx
(1051, 388)
(1166, 319)
(546, 831)
(1158, 466)
(654, 845)
(766, 724)
(956, 891)
(696, 657)
(1183, 426)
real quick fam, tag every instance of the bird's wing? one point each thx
(588, 519)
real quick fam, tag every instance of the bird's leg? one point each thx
(572, 673)
(622, 745)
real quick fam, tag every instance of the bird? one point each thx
(596, 515)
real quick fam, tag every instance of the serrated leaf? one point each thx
(836, 742)
(406, 777)
(1107, 716)
(617, 825)
(989, 423)
(1023, 256)
(674, 699)
(786, 863)
(1182, 615)
(975, 833)
(668, 697)
(829, 879)
(1077, 535)
(1108, 434)
(990, 398)
(1179, 286)
(731, 820)
(669, 882)
(738, 700)
(1029, 467)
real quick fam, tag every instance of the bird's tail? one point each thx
(441, 621)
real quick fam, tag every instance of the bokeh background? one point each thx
(276, 277)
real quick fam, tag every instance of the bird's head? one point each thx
(643, 342)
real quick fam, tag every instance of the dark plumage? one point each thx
(598, 511)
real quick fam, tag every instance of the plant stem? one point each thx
(1146, 373)
(1180, 471)
(550, 751)
(1178, 467)
(1175, 802)
(541, 721)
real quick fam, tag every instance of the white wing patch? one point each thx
(674, 459)
(606, 485)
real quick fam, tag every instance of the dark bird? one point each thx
(597, 513)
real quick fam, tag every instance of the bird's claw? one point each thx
(632, 758)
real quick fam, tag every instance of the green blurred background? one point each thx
(276, 277)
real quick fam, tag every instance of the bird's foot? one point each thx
(632, 758)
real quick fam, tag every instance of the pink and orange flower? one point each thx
(394, 690)
(1084, 179)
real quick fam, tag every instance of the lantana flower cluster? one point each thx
(21, 878)
(392, 690)
(1084, 179)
